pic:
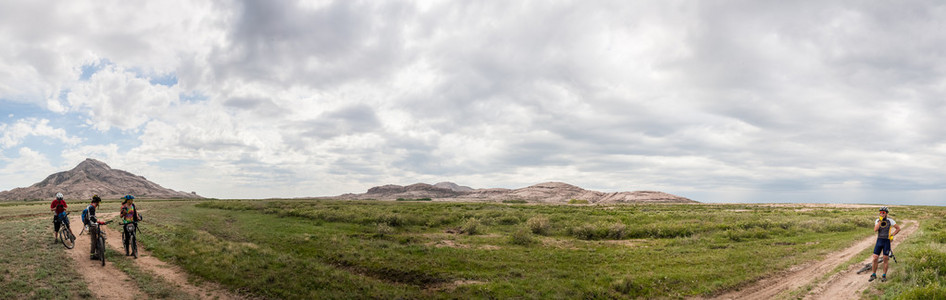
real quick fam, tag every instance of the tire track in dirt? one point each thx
(798, 276)
(847, 284)
(105, 282)
(171, 273)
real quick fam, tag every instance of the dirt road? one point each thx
(110, 283)
(105, 282)
(848, 284)
(843, 285)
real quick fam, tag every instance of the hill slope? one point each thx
(548, 192)
(93, 177)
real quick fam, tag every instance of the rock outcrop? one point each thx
(93, 177)
(548, 192)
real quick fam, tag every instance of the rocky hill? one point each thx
(93, 177)
(548, 192)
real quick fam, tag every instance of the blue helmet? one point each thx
(129, 197)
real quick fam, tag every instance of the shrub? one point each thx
(515, 201)
(538, 225)
(508, 220)
(522, 236)
(586, 232)
(471, 226)
(384, 229)
(617, 231)
(577, 201)
(391, 220)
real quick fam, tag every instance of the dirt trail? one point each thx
(105, 282)
(171, 273)
(110, 283)
(848, 284)
(798, 276)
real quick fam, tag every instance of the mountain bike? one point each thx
(130, 238)
(100, 242)
(65, 233)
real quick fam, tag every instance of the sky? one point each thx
(717, 101)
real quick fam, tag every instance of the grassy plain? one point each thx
(374, 249)
(343, 249)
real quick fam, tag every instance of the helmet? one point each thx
(129, 197)
(884, 209)
(59, 196)
(95, 198)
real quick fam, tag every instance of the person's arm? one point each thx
(876, 225)
(896, 230)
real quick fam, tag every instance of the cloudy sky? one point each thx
(719, 101)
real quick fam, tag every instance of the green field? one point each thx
(409, 249)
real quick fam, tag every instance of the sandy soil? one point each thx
(110, 283)
(843, 285)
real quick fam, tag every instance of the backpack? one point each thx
(85, 215)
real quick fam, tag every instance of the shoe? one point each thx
(883, 278)
(872, 277)
(93, 257)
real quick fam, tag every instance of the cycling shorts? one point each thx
(883, 245)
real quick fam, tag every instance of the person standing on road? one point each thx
(884, 237)
(93, 232)
(129, 215)
(59, 208)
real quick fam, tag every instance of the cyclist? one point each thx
(59, 208)
(884, 237)
(129, 215)
(93, 229)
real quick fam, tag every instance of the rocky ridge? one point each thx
(93, 177)
(548, 192)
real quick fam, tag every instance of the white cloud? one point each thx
(28, 168)
(15, 133)
(319, 98)
(115, 97)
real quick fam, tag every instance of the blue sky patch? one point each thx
(169, 79)
(91, 69)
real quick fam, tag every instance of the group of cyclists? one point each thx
(128, 214)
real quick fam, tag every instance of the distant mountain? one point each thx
(548, 192)
(93, 177)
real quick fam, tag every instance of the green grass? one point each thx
(389, 249)
(418, 250)
(32, 266)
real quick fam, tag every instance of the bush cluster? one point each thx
(522, 236)
(539, 225)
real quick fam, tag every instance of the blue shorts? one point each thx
(882, 245)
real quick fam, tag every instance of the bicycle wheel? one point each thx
(101, 249)
(134, 245)
(68, 240)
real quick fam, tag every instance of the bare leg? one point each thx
(886, 259)
(873, 268)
